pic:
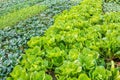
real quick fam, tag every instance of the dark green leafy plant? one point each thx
(117, 1)
(9, 3)
(111, 7)
(75, 47)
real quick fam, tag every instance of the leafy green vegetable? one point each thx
(13, 18)
(17, 6)
(111, 7)
(13, 40)
(76, 46)
(83, 77)
(100, 73)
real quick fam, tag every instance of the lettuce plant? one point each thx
(72, 48)
(13, 40)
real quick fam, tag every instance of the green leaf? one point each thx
(101, 73)
(83, 77)
(73, 54)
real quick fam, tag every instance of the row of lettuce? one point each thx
(11, 14)
(13, 39)
(82, 44)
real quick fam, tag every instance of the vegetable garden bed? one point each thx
(13, 40)
(81, 43)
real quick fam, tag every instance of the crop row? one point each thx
(115, 1)
(83, 44)
(13, 18)
(8, 3)
(14, 39)
(111, 6)
(18, 6)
